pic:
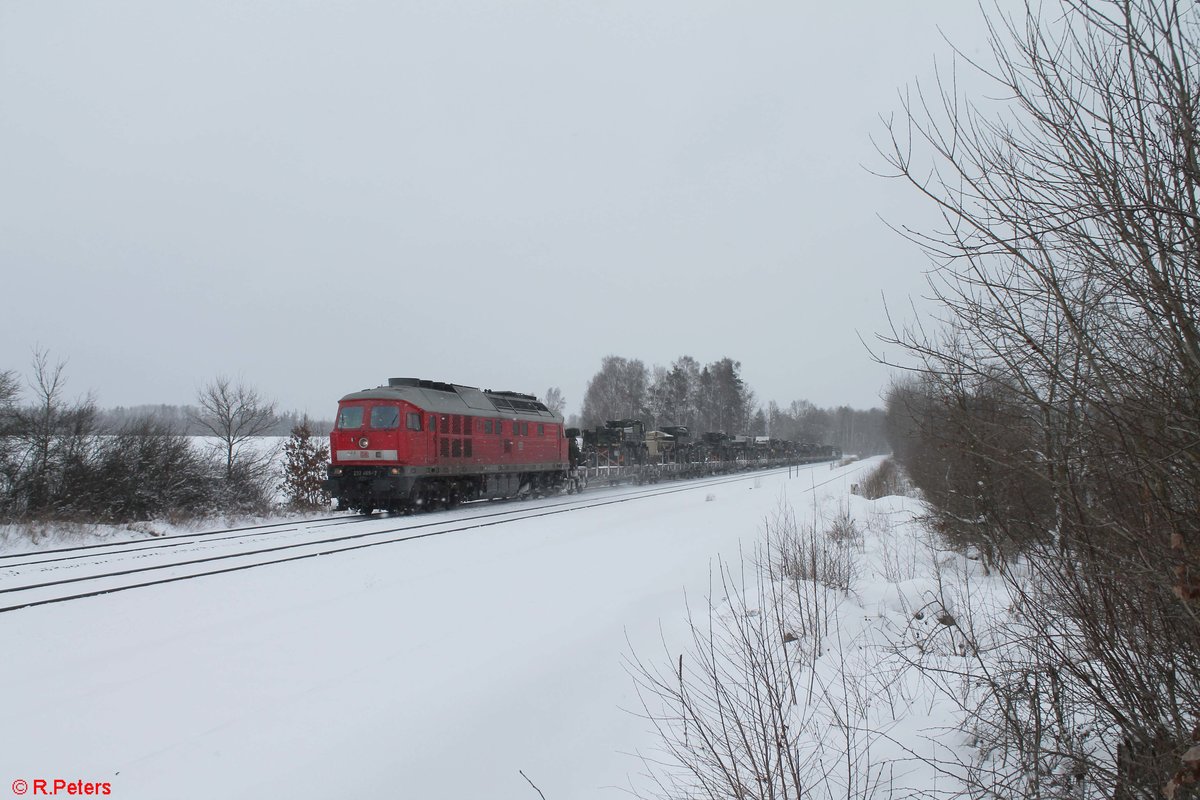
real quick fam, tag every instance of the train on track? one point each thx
(418, 444)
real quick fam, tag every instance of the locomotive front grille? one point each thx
(367, 455)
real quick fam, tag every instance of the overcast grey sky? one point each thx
(316, 196)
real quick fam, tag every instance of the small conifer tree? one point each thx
(305, 457)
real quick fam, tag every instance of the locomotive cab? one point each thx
(374, 431)
(373, 448)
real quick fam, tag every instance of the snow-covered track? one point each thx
(44, 592)
(126, 545)
(157, 544)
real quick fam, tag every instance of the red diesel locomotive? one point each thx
(422, 444)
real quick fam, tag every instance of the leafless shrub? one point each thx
(742, 713)
(843, 530)
(723, 710)
(1032, 733)
(749, 710)
(883, 481)
(58, 465)
(146, 471)
(807, 552)
(898, 559)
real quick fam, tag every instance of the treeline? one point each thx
(848, 429)
(1055, 424)
(66, 460)
(183, 419)
(714, 397)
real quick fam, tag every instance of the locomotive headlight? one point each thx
(335, 471)
(394, 471)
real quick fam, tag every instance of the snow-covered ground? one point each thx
(445, 667)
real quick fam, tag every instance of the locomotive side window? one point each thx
(445, 424)
(414, 421)
(350, 418)
(385, 418)
(541, 429)
(487, 426)
(524, 428)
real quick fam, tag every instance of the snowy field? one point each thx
(445, 667)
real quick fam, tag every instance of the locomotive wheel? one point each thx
(425, 496)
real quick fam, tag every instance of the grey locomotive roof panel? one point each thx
(475, 398)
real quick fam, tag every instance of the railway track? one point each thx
(12, 560)
(28, 580)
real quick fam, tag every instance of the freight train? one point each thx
(418, 444)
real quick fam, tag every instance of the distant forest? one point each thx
(184, 419)
(714, 397)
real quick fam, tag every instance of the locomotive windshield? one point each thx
(350, 418)
(385, 418)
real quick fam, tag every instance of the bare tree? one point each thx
(235, 414)
(1058, 412)
(55, 438)
(724, 400)
(9, 392)
(555, 400)
(617, 391)
(673, 393)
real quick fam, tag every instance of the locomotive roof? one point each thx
(452, 398)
